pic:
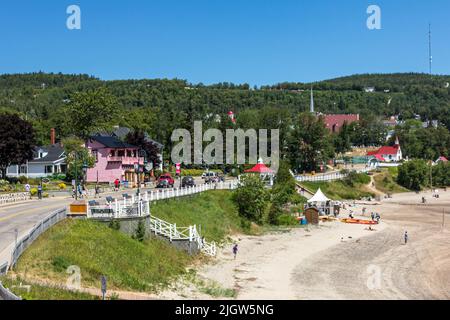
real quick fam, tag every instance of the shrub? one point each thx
(114, 224)
(413, 175)
(34, 191)
(139, 234)
(251, 198)
(62, 186)
(286, 220)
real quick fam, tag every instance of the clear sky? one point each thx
(253, 41)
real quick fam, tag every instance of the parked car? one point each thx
(166, 177)
(209, 174)
(187, 181)
(163, 184)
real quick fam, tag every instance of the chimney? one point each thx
(52, 136)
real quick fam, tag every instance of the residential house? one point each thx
(122, 132)
(47, 161)
(114, 159)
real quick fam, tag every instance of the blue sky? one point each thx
(253, 41)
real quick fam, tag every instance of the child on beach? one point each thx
(406, 237)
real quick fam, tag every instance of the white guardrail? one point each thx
(139, 206)
(23, 243)
(328, 176)
(14, 197)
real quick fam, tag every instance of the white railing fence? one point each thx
(14, 197)
(139, 206)
(328, 176)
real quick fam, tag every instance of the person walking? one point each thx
(235, 250)
(406, 237)
(373, 216)
(116, 184)
(377, 216)
(40, 192)
(28, 189)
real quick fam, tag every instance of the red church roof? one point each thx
(385, 150)
(259, 168)
(334, 122)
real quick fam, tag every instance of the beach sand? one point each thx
(343, 261)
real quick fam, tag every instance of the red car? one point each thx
(165, 181)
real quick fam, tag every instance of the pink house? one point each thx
(115, 159)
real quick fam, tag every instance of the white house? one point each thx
(46, 162)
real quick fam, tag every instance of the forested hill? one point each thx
(396, 82)
(41, 97)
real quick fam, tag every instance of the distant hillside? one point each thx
(40, 96)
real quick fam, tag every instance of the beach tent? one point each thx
(319, 197)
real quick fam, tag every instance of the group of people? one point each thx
(375, 216)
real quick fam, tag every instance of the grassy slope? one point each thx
(128, 264)
(98, 250)
(213, 210)
(339, 190)
(385, 181)
(41, 292)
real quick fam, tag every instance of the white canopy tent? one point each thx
(319, 197)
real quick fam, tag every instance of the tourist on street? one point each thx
(373, 216)
(80, 190)
(40, 192)
(377, 216)
(28, 189)
(116, 184)
(235, 250)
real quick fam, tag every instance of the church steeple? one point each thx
(312, 101)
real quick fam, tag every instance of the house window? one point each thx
(129, 153)
(23, 170)
(121, 153)
(112, 153)
(48, 169)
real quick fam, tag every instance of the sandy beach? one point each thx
(339, 261)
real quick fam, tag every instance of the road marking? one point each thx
(28, 211)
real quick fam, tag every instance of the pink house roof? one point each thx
(334, 122)
(259, 168)
(443, 159)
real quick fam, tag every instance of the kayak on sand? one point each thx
(358, 221)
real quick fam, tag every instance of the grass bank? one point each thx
(43, 292)
(340, 190)
(99, 250)
(214, 211)
(385, 181)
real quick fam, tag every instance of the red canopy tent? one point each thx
(260, 168)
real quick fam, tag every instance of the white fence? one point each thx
(139, 206)
(328, 176)
(14, 197)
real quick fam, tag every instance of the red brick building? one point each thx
(334, 122)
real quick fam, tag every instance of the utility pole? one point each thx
(429, 49)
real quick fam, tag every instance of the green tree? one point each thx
(17, 141)
(139, 234)
(283, 192)
(91, 111)
(310, 143)
(414, 174)
(139, 139)
(76, 157)
(251, 198)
